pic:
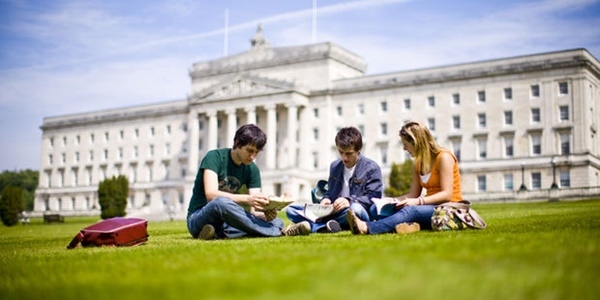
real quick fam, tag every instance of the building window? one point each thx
(91, 138)
(63, 158)
(64, 139)
(77, 140)
(565, 144)
(508, 147)
(456, 149)
(106, 136)
(120, 153)
(168, 129)
(167, 149)
(535, 115)
(51, 141)
(481, 120)
(535, 91)
(508, 118)
(339, 111)
(456, 99)
(383, 154)
(91, 155)
(536, 144)
(316, 134)
(481, 183)
(384, 106)
(105, 157)
(565, 178)
(50, 159)
(563, 112)
(135, 152)
(137, 132)
(315, 157)
(76, 157)
(481, 96)
(563, 88)
(536, 180)
(407, 103)
(151, 150)
(431, 124)
(152, 133)
(316, 113)
(121, 135)
(431, 101)
(482, 148)
(508, 94)
(508, 182)
(384, 129)
(456, 122)
(361, 128)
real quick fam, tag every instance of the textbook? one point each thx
(385, 207)
(315, 212)
(278, 203)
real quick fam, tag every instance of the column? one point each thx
(231, 125)
(291, 134)
(271, 136)
(193, 142)
(251, 115)
(304, 132)
(212, 129)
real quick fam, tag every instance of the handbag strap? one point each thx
(75, 241)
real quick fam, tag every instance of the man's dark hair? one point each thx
(249, 134)
(349, 137)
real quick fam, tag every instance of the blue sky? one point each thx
(71, 56)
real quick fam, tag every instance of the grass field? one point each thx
(541, 250)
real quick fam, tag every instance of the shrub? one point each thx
(112, 196)
(11, 205)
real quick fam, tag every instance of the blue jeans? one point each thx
(231, 220)
(419, 213)
(293, 210)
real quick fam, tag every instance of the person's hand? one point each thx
(407, 202)
(258, 201)
(340, 203)
(325, 201)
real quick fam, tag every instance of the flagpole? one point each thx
(226, 34)
(314, 22)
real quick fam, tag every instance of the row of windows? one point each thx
(563, 89)
(106, 136)
(75, 175)
(135, 154)
(564, 181)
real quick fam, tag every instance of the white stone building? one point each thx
(526, 121)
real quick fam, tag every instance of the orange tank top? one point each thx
(433, 184)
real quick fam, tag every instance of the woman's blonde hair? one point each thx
(426, 148)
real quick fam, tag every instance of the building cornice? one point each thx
(115, 115)
(577, 58)
(267, 57)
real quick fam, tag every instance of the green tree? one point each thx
(11, 205)
(112, 196)
(400, 179)
(27, 180)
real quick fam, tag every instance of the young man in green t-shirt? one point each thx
(217, 210)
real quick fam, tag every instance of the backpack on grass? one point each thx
(116, 231)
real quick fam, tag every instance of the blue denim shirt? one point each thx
(365, 183)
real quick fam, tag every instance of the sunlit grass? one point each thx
(529, 251)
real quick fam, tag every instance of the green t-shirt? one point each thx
(231, 176)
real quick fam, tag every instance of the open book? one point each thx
(385, 207)
(315, 211)
(278, 203)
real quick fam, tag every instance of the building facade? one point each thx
(522, 127)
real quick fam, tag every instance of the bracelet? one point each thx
(421, 200)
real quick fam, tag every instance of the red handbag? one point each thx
(116, 231)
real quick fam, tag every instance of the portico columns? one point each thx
(231, 126)
(251, 115)
(271, 136)
(212, 129)
(193, 142)
(292, 127)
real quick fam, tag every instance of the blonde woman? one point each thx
(434, 169)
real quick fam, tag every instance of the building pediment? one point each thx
(244, 86)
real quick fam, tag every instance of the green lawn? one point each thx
(542, 250)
